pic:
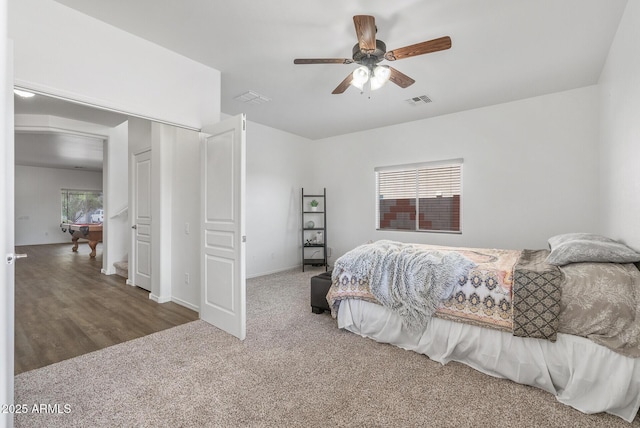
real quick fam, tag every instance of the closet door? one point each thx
(142, 220)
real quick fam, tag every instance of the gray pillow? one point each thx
(588, 247)
(558, 240)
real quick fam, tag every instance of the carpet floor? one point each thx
(294, 369)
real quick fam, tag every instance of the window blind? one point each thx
(420, 197)
(443, 181)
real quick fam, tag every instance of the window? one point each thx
(81, 206)
(422, 197)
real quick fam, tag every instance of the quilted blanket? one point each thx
(601, 301)
(481, 296)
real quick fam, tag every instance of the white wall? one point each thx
(61, 51)
(139, 135)
(162, 147)
(37, 201)
(530, 171)
(185, 217)
(116, 190)
(620, 132)
(278, 165)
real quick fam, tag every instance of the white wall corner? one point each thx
(108, 271)
(159, 299)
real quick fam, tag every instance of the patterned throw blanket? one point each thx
(407, 279)
(501, 289)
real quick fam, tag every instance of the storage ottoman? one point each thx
(320, 285)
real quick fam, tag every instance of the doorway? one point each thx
(80, 308)
(175, 208)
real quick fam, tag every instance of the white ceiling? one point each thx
(57, 150)
(54, 149)
(502, 50)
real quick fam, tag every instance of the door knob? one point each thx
(11, 257)
(135, 226)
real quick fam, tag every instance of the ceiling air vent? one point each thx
(416, 101)
(251, 97)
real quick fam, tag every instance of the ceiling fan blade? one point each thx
(344, 85)
(366, 32)
(322, 61)
(400, 78)
(434, 45)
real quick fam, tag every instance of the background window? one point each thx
(420, 197)
(81, 206)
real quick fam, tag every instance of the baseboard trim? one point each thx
(186, 304)
(108, 271)
(255, 275)
(159, 299)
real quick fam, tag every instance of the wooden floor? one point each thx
(65, 307)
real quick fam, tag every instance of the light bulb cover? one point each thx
(360, 77)
(380, 76)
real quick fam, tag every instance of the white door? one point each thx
(7, 271)
(141, 258)
(223, 293)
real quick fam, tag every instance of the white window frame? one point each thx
(415, 194)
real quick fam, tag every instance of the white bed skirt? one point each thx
(580, 373)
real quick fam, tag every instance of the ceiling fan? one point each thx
(369, 51)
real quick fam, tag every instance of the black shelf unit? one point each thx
(314, 237)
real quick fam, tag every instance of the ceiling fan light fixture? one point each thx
(369, 51)
(360, 77)
(380, 76)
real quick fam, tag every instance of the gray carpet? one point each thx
(294, 369)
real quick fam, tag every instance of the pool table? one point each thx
(91, 232)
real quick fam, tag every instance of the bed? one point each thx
(566, 320)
